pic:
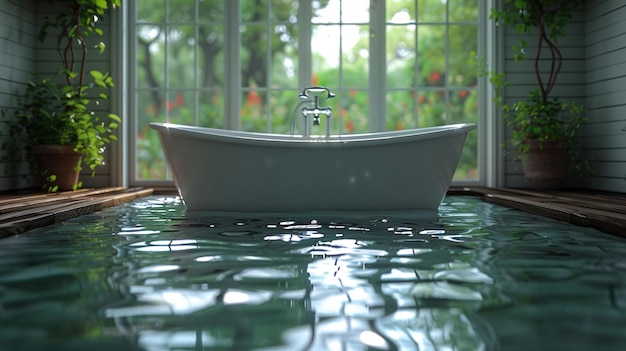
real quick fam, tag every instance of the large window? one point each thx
(394, 64)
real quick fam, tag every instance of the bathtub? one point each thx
(226, 170)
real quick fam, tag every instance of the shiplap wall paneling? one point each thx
(521, 75)
(17, 52)
(604, 137)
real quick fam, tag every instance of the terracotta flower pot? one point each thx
(58, 160)
(546, 165)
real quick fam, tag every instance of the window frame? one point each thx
(489, 128)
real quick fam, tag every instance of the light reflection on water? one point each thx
(473, 276)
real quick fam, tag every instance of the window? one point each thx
(394, 64)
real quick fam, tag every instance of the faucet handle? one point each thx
(316, 92)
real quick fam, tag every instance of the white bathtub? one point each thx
(227, 170)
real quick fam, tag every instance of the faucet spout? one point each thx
(315, 94)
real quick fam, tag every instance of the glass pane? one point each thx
(284, 57)
(401, 11)
(253, 111)
(284, 70)
(150, 11)
(253, 11)
(283, 104)
(211, 11)
(211, 109)
(400, 56)
(355, 57)
(210, 70)
(431, 108)
(463, 41)
(400, 110)
(150, 57)
(325, 60)
(464, 108)
(354, 111)
(150, 158)
(181, 107)
(181, 11)
(180, 54)
(284, 11)
(326, 11)
(463, 11)
(431, 55)
(431, 10)
(254, 55)
(355, 11)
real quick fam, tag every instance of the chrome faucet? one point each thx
(316, 110)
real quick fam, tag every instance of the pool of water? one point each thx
(474, 276)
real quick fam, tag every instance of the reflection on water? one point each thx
(149, 276)
(302, 282)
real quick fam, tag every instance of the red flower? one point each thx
(349, 126)
(463, 94)
(253, 98)
(179, 100)
(434, 77)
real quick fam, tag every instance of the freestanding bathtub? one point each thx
(227, 170)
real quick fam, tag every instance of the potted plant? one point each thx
(58, 119)
(543, 127)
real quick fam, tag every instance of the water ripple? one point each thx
(474, 276)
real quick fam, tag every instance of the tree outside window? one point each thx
(180, 66)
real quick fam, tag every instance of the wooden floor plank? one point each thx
(603, 211)
(19, 214)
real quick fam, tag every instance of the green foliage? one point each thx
(549, 18)
(41, 118)
(66, 114)
(533, 119)
(540, 116)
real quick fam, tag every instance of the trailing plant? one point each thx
(541, 116)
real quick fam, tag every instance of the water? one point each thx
(475, 276)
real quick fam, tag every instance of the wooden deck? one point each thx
(603, 211)
(600, 210)
(22, 212)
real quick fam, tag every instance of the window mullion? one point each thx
(305, 33)
(232, 66)
(378, 67)
(446, 83)
(489, 124)
(196, 82)
(268, 67)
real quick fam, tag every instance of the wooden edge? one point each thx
(549, 204)
(66, 207)
(557, 205)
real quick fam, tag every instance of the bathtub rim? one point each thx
(256, 138)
